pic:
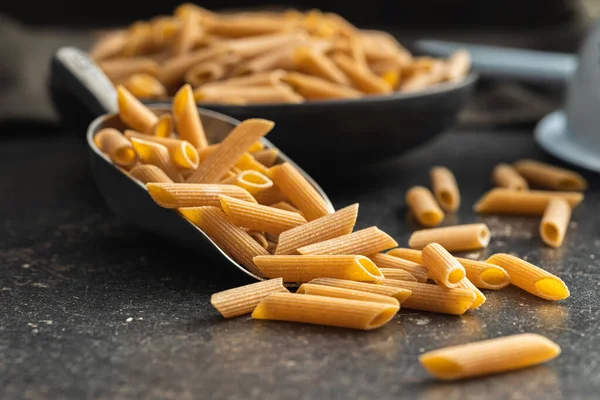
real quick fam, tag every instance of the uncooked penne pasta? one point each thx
(156, 154)
(340, 223)
(397, 293)
(256, 147)
(453, 238)
(300, 191)
(504, 175)
(230, 150)
(332, 291)
(322, 310)
(442, 266)
(555, 221)
(203, 73)
(275, 59)
(251, 180)
(235, 27)
(314, 88)
(119, 69)
(187, 120)
(530, 278)
(266, 157)
(480, 298)
(149, 173)
(247, 161)
(244, 299)
(260, 238)
(183, 154)
(176, 195)
(284, 205)
(110, 45)
(364, 242)
(524, 202)
(445, 188)
(278, 93)
(406, 254)
(172, 71)
(258, 217)
(458, 65)
(164, 127)
(310, 61)
(269, 196)
(386, 262)
(144, 86)
(256, 45)
(423, 206)
(489, 356)
(301, 269)
(362, 78)
(398, 274)
(549, 176)
(133, 113)
(118, 148)
(185, 36)
(234, 241)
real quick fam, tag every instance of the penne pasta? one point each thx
(530, 278)
(260, 238)
(322, 310)
(406, 254)
(133, 113)
(149, 173)
(284, 205)
(549, 176)
(458, 65)
(299, 269)
(266, 157)
(397, 293)
(489, 356)
(236, 27)
(244, 299)
(182, 153)
(119, 69)
(156, 154)
(118, 148)
(108, 46)
(250, 180)
(453, 238)
(253, 46)
(247, 161)
(424, 79)
(269, 196)
(362, 78)
(386, 262)
(277, 59)
(480, 298)
(555, 221)
(204, 73)
(187, 120)
(314, 88)
(144, 86)
(398, 274)
(176, 195)
(332, 291)
(185, 36)
(445, 188)
(312, 62)
(506, 176)
(364, 242)
(267, 78)
(248, 94)
(256, 147)
(164, 127)
(442, 267)
(172, 71)
(525, 202)
(423, 206)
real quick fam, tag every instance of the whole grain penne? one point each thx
(362, 78)
(397, 293)
(236, 27)
(301, 269)
(266, 157)
(489, 356)
(310, 61)
(260, 238)
(458, 65)
(139, 40)
(423, 206)
(322, 310)
(118, 69)
(203, 73)
(387, 261)
(164, 127)
(522, 202)
(182, 153)
(172, 71)
(284, 205)
(555, 221)
(398, 274)
(232, 240)
(332, 291)
(445, 188)
(133, 113)
(251, 180)
(118, 148)
(364, 242)
(149, 173)
(549, 176)
(244, 299)
(247, 161)
(270, 195)
(176, 195)
(314, 88)
(453, 238)
(187, 120)
(144, 86)
(442, 266)
(185, 37)
(278, 93)
(504, 175)
(266, 78)
(156, 154)
(258, 217)
(253, 46)
(480, 298)
(108, 46)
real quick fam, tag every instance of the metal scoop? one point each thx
(75, 73)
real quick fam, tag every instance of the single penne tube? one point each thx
(530, 278)
(423, 206)
(398, 274)
(362, 78)
(555, 221)
(164, 127)
(176, 195)
(258, 217)
(185, 37)
(237, 27)
(299, 269)
(279, 93)
(284, 205)
(205, 72)
(314, 88)
(187, 120)
(118, 69)
(144, 86)
(397, 293)
(489, 356)
(267, 78)
(156, 154)
(340, 223)
(505, 176)
(480, 298)
(108, 46)
(300, 191)
(183, 154)
(248, 47)
(270, 196)
(323, 310)
(260, 238)
(133, 113)
(445, 188)
(172, 71)
(453, 238)
(522, 202)
(458, 65)
(244, 299)
(252, 181)
(310, 61)
(386, 262)
(332, 291)
(147, 173)
(364, 242)
(442, 266)
(230, 150)
(550, 177)
(118, 148)
(266, 157)
(163, 31)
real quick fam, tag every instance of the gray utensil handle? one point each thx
(496, 62)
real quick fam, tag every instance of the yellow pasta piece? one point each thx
(248, 94)
(172, 71)
(176, 195)
(530, 278)
(187, 120)
(182, 153)
(145, 86)
(234, 242)
(442, 267)
(340, 223)
(458, 65)
(258, 217)
(230, 150)
(256, 147)
(398, 274)
(244, 299)
(149, 173)
(364, 242)
(300, 191)
(434, 298)
(445, 188)
(267, 157)
(273, 60)
(480, 298)
(164, 127)
(453, 238)
(362, 78)
(549, 176)
(332, 291)
(314, 88)
(118, 148)
(304, 268)
(397, 293)
(251, 180)
(284, 205)
(423, 206)
(119, 69)
(506, 176)
(133, 113)
(156, 154)
(555, 221)
(313, 62)
(247, 161)
(407, 254)
(525, 202)
(260, 238)
(489, 356)
(387, 261)
(270, 195)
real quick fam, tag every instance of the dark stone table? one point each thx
(93, 308)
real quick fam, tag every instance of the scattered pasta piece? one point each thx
(387, 261)
(480, 298)
(332, 291)
(176, 195)
(364, 242)
(549, 176)
(445, 188)
(555, 221)
(398, 293)
(526, 202)
(442, 267)
(164, 126)
(423, 206)
(453, 238)
(506, 176)
(244, 299)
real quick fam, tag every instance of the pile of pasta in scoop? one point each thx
(265, 57)
(270, 219)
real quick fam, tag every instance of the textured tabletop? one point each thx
(93, 308)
